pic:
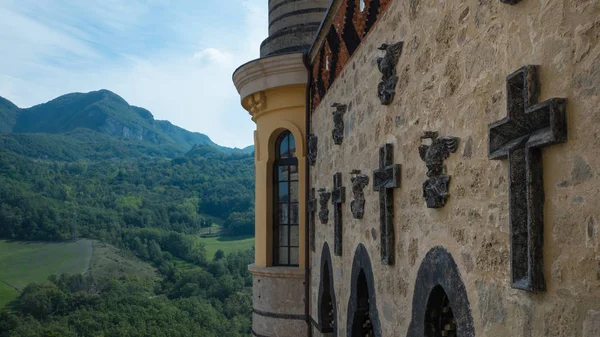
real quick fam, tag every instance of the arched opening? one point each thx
(440, 305)
(286, 221)
(363, 318)
(362, 325)
(439, 318)
(327, 306)
(327, 312)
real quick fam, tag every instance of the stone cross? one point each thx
(312, 209)
(385, 179)
(520, 136)
(338, 197)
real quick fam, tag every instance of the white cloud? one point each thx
(215, 56)
(175, 59)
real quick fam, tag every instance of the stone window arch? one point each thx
(327, 305)
(363, 317)
(440, 300)
(286, 222)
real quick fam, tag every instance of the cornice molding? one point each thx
(269, 72)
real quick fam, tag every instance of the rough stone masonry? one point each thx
(452, 79)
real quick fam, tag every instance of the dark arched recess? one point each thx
(438, 269)
(362, 295)
(327, 302)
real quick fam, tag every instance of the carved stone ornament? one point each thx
(520, 137)
(387, 66)
(324, 197)
(435, 189)
(510, 2)
(312, 149)
(338, 122)
(338, 197)
(359, 182)
(385, 179)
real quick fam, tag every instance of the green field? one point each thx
(24, 262)
(228, 244)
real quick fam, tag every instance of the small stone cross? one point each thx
(338, 197)
(520, 136)
(312, 209)
(385, 179)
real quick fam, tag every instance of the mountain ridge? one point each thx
(102, 111)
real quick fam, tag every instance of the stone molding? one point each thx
(276, 272)
(269, 72)
(278, 315)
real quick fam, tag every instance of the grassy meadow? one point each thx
(228, 244)
(24, 262)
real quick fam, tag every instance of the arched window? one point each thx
(286, 223)
(362, 322)
(439, 318)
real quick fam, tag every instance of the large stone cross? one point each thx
(385, 179)
(338, 197)
(312, 209)
(520, 136)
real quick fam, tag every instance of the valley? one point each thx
(108, 213)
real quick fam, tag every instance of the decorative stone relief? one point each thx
(359, 182)
(338, 122)
(520, 136)
(385, 179)
(323, 201)
(435, 189)
(387, 66)
(256, 102)
(510, 2)
(338, 197)
(440, 305)
(363, 317)
(312, 149)
(312, 209)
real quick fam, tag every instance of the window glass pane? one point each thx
(294, 214)
(292, 146)
(294, 191)
(283, 255)
(283, 148)
(284, 235)
(283, 192)
(294, 172)
(294, 254)
(294, 239)
(283, 213)
(282, 173)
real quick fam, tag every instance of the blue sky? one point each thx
(172, 57)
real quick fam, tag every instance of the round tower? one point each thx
(293, 25)
(273, 90)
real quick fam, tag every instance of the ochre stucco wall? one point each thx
(281, 108)
(452, 72)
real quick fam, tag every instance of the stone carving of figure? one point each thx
(387, 66)
(435, 189)
(338, 123)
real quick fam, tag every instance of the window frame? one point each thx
(290, 160)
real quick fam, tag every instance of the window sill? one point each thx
(276, 272)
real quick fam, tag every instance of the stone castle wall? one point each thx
(452, 79)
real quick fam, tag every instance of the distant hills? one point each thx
(102, 113)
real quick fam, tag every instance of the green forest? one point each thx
(70, 179)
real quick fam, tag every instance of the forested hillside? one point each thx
(92, 166)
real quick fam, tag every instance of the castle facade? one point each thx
(427, 168)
